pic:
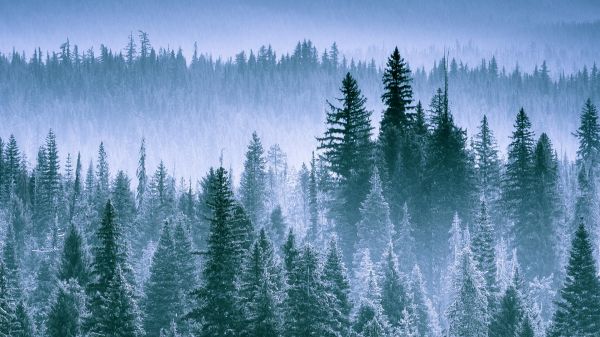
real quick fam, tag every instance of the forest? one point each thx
(398, 223)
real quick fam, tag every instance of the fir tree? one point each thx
(65, 313)
(314, 231)
(404, 242)
(487, 164)
(370, 321)
(73, 260)
(6, 314)
(375, 228)
(425, 319)
(337, 287)
(185, 264)
(468, 313)
(253, 181)
(124, 203)
(141, 175)
(278, 227)
(518, 182)
(507, 319)
(540, 256)
(22, 326)
(217, 309)
(394, 291)
(483, 247)
(588, 135)
(347, 150)
(577, 311)
(11, 265)
(260, 289)
(103, 177)
(161, 289)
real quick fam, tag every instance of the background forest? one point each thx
(385, 218)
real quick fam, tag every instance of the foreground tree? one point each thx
(253, 182)
(578, 312)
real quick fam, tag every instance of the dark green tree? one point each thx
(161, 290)
(22, 326)
(395, 298)
(507, 319)
(73, 260)
(65, 313)
(577, 311)
(488, 166)
(484, 255)
(347, 151)
(217, 309)
(253, 181)
(337, 287)
(278, 227)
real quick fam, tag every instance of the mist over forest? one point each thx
(292, 169)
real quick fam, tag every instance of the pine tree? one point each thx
(185, 264)
(468, 313)
(260, 289)
(314, 231)
(483, 247)
(370, 321)
(65, 313)
(518, 183)
(540, 256)
(253, 181)
(337, 287)
(22, 326)
(278, 227)
(487, 164)
(588, 135)
(161, 289)
(141, 175)
(217, 308)
(124, 203)
(111, 304)
(526, 329)
(305, 304)
(424, 317)
(375, 228)
(394, 291)
(577, 311)
(6, 314)
(347, 151)
(11, 265)
(73, 260)
(448, 172)
(12, 166)
(507, 319)
(404, 242)
(103, 178)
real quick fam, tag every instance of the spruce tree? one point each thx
(253, 181)
(65, 313)
(375, 228)
(347, 151)
(577, 310)
(73, 260)
(488, 167)
(141, 175)
(404, 242)
(103, 177)
(394, 291)
(185, 264)
(11, 265)
(518, 184)
(541, 256)
(337, 287)
(22, 325)
(217, 309)
(124, 203)
(588, 135)
(314, 231)
(370, 321)
(260, 291)
(424, 316)
(278, 226)
(161, 289)
(484, 255)
(468, 313)
(507, 319)
(6, 313)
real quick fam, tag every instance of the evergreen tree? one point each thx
(65, 313)
(185, 264)
(73, 260)
(395, 298)
(314, 231)
(487, 164)
(484, 256)
(260, 289)
(577, 311)
(425, 319)
(448, 172)
(11, 265)
(217, 309)
(404, 242)
(540, 256)
(347, 151)
(526, 329)
(468, 314)
(375, 228)
(141, 174)
(588, 135)
(278, 227)
(253, 181)
(112, 307)
(518, 184)
(6, 315)
(161, 289)
(306, 303)
(21, 326)
(507, 319)
(370, 321)
(12, 167)
(337, 287)
(124, 203)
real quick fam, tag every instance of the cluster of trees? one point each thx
(416, 231)
(158, 91)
